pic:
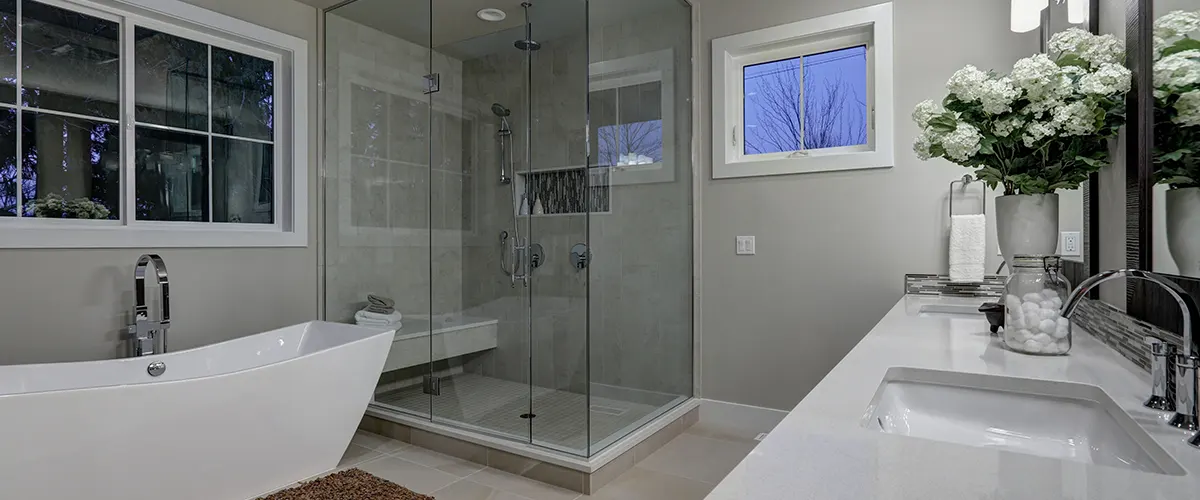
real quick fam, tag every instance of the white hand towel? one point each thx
(379, 324)
(968, 247)
(377, 318)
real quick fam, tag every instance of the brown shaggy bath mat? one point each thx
(352, 484)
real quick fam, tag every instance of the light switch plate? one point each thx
(1070, 243)
(745, 245)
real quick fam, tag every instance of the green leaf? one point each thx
(943, 123)
(1181, 45)
(1176, 155)
(1071, 60)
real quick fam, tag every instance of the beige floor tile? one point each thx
(723, 432)
(522, 486)
(697, 457)
(416, 477)
(645, 484)
(382, 444)
(356, 454)
(470, 490)
(444, 463)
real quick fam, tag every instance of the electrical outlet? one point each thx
(745, 245)
(1071, 243)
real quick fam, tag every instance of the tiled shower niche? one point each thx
(567, 191)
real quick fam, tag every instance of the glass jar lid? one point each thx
(1037, 261)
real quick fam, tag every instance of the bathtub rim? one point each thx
(165, 356)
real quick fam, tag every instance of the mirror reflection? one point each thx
(1176, 199)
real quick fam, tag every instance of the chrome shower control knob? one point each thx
(156, 368)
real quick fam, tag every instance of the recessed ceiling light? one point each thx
(491, 15)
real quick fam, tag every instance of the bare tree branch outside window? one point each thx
(825, 106)
(640, 139)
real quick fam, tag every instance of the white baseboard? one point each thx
(738, 416)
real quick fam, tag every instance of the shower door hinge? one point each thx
(433, 82)
(431, 385)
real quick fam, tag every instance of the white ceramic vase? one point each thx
(1027, 224)
(1183, 229)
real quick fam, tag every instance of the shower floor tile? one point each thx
(497, 405)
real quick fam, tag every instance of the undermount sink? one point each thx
(934, 310)
(1060, 420)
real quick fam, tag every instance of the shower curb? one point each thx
(582, 476)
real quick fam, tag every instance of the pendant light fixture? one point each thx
(1027, 14)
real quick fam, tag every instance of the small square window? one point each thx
(805, 97)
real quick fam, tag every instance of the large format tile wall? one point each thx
(382, 211)
(636, 293)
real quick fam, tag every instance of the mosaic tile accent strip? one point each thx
(1120, 331)
(939, 284)
(573, 191)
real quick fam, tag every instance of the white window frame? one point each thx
(870, 26)
(656, 66)
(290, 138)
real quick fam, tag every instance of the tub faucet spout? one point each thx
(147, 336)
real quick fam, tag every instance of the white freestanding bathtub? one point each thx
(228, 421)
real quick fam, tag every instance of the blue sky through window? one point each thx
(834, 111)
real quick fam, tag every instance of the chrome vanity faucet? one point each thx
(147, 336)
(1184, 377)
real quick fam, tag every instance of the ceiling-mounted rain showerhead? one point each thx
(500, 110)
(527, 44)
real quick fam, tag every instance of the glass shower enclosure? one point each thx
(516, 183)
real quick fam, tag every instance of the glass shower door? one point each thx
(378, 176)
(479, 273)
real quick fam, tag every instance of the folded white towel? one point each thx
(364, 315)
(968, 247)
(379, 324)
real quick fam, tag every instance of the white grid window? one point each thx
(805, 97)
(126, 127)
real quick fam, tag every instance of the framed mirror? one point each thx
(1163, 172)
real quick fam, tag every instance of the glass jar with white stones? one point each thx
(1033, 300)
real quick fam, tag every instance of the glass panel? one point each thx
(639, 339)
(72, 167)
(8, 162)
(558, 86)
(408, 129)
(408, 196)
(377, 238)
(243, 181)
(8, 51)
(369, 127)
(368, 193)
(771, 110)
(602, 106)
(477, 275)
(171, 80)
(243, 95)
(640, 131)
(835, 98)
(171, 176)
(71, 61)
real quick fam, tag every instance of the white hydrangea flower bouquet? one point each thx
(1177, 100)
(1043, 127)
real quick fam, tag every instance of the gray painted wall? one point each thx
(69, 305)
(832, 247)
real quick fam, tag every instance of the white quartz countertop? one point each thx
(821, 451)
